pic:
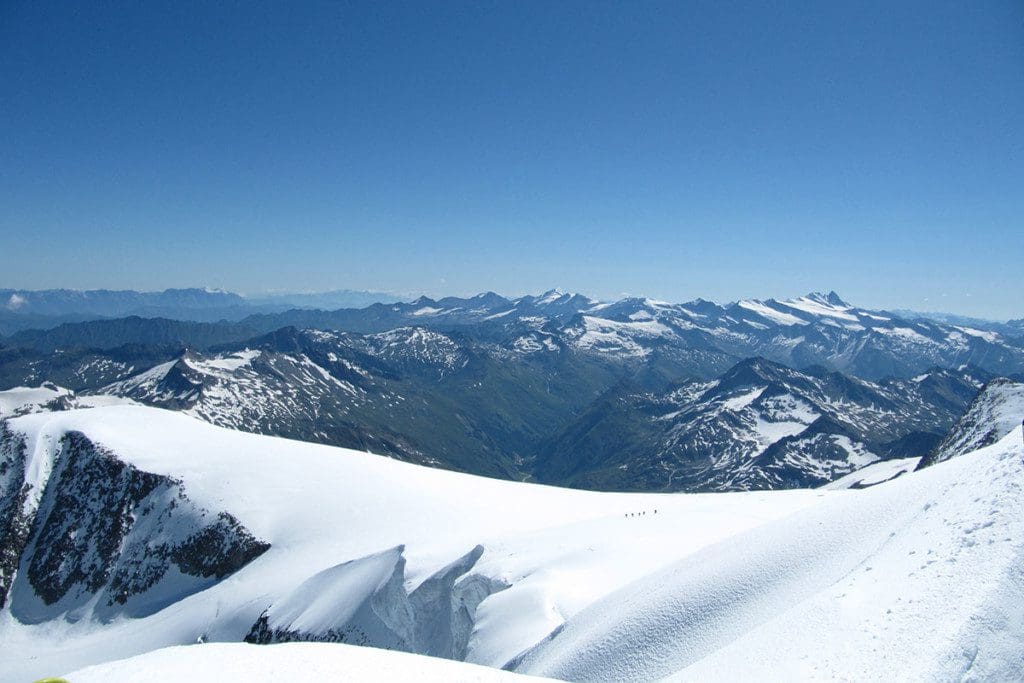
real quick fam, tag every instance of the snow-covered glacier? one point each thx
(128, 529)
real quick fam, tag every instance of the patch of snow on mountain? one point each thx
(147, 379)
(820, 308)
(987, 336)
(600, 334)
(856, 455)
(740, 402)
(527, 344)
(228, 363)
(766, 311)
(875, 473)
(770, 432)
(502, 314)
(905, 333)
(28, 399)
(428, 310)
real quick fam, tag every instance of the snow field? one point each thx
(921, 577)
(286, 663)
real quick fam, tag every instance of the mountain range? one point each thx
(558, 388)
(698, 338)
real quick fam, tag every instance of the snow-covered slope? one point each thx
(428, 560)
(49, 397)
(222, 536)
(24, 400)
(996, 410)
(287, 663)
(921, 578)
(875, 473)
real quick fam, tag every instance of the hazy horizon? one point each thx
(387, 296)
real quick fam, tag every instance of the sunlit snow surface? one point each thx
(916, 578)
(21, 400)
(921, 578)
(288, 663)
(318, 506)
(875, 474)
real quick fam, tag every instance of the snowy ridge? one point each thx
(996, 410)
(841, 590)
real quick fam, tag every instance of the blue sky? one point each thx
(671, 149)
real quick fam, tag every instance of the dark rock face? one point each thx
(14, 523)
(910, 445)
(107, 539)
(217, 550)
(89, 515)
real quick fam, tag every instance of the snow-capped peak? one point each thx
(551, 296)
(830, 299)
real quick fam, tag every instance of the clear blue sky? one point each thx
(678, 149)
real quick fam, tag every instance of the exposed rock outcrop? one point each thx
(99, 538)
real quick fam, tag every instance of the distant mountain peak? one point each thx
(551, 296)
(831, 298)
(749, 372)
(288, 339)
(489, 298)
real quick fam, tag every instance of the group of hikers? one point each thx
(639, 514)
